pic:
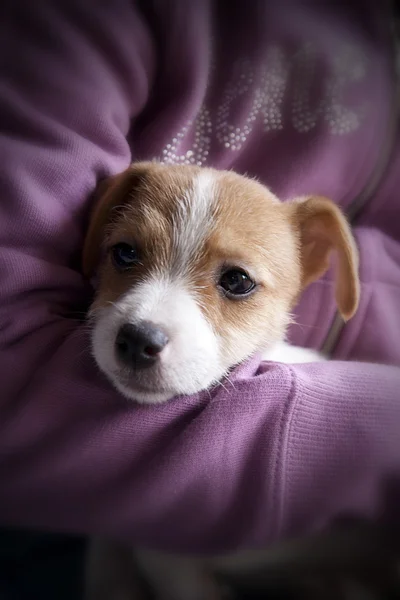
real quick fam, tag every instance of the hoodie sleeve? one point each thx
(284, 451)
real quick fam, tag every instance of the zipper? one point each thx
(373, 183)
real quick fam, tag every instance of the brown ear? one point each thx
(110, 194)
(323, 229)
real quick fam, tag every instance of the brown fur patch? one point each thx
(253, 233)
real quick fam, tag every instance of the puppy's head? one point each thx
(197, 270)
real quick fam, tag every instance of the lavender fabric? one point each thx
(301, 95)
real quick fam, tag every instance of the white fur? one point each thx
(193, 221)
(285, 353)
(190, 361)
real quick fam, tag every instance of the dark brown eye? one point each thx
(124, 256)
(236, 282)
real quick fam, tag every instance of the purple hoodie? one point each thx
(301, 95)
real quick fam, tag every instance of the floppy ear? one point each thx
(323, 229)
(110, 194)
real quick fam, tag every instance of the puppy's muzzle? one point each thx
(140, 346)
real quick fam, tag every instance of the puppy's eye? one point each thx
(236, 282)
(124, 256)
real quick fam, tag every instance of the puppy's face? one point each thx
(198, 269)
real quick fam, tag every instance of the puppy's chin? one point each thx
(142, 396)
(148, 394)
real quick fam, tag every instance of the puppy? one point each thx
(197, 270)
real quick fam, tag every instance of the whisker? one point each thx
(112, 303)
(304, 326)
(83, 353)
(78, 313)
(230, 382)
(223, 387)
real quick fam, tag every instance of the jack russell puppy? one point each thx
(199, 269)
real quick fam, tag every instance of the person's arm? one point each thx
(282, 451)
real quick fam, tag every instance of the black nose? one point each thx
(140, 345)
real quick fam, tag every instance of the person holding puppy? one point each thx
(304, 99)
